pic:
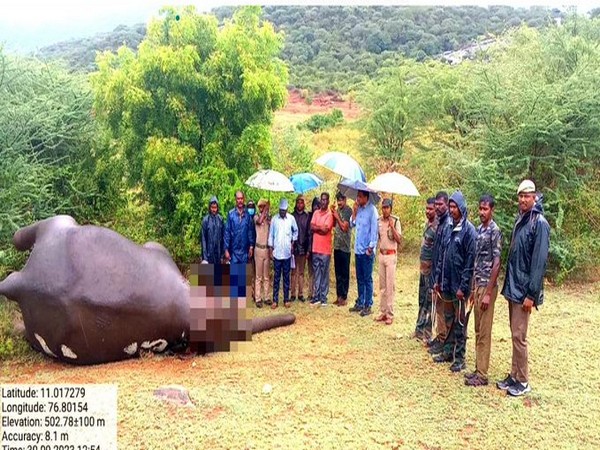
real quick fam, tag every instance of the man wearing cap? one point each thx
(488, 248)
(301, 248)
(321, 225)
(341, 248)
(390, 235)
(423, 328)
(262, 223)
(524, 281)
(213, 229)
(364, 218)
(282, 236)
(453, 276)
(239, 233)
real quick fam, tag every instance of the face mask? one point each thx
(251, 211)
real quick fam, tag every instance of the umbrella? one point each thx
(270, 180)
(305, 182)
(394, 183)
(350, 189)
(343, 165)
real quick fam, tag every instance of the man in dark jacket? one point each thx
(300, 248)
(524, 281)
(453, 276)
(213, 230)
(442, 234)
(239, 233)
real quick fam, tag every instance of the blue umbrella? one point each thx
(350, 189)
(305, 182)
(342, 164)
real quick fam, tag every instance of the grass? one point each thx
(341, 381)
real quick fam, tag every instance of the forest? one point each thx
(141, 143)
(340, 47)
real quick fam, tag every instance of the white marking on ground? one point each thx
(131, 348)
(68, 352)
(44, 345)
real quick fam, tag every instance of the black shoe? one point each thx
(442, 358)
(259, 304)
(458, 366)
(365, 312)
(519, 389)
(355, 308)
(268, 302)
(293, 299)
(301, 299)
(470, 375)
(507, 383)
(436, 349)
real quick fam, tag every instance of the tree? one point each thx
(191, 112)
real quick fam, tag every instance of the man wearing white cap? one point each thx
(282, 235)
(523, 284)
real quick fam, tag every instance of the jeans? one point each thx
(341, 263)
(364, 279)
(279, 266)
(321, 277)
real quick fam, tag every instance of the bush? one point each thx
(320, 122)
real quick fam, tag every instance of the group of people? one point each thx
(459, 266)
(301, 244)
(459, 271)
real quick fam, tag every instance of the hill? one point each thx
(337, 47)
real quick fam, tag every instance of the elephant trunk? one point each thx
(260, 324)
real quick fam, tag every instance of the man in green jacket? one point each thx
(523, 284)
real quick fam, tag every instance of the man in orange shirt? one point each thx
(321, 225)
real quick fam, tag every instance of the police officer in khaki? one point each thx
(390, 236)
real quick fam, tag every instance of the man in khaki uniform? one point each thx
(262, 221)
(390, 235)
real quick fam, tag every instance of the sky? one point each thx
(32, 22)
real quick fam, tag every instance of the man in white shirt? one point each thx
(282, 236)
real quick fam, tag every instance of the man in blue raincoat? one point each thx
(239, 233)
(524, 281)
(213, 229)
(453, 276)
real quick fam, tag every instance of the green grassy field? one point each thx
(341, 381)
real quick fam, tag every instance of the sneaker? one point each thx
(365, 312)
(458, 366)
(315, 302)
(519, 389)
(476, 381)
(506, 383)
(355, 308)
(436, 349)
(324, 304)
(268, 302)
(442, 358)
(259, 304)
(293, 299)
(470, 375)
(301, 299)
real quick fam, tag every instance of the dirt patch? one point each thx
(322, 103)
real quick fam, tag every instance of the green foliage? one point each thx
(528, 109)
(320, 122)
(45, 140)
(189, 115)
